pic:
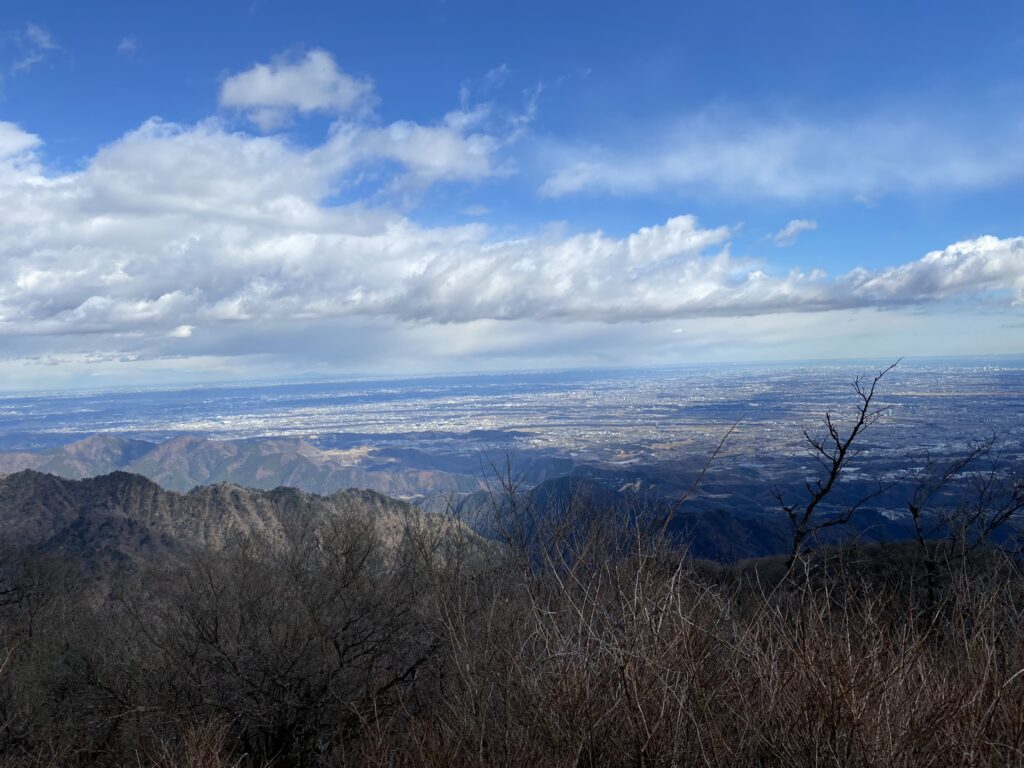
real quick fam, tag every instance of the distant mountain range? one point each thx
(183, 463)
(122, 519)
(148, 497)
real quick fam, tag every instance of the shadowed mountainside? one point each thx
(721, 535)
(730, 517)
(121, 518)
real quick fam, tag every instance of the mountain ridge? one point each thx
(122, 518)
(188, 461)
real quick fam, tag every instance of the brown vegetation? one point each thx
(595, 643)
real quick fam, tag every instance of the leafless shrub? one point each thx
(202, 745)
(833, 451)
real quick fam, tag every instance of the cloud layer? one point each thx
(175, 226)
(210, 241)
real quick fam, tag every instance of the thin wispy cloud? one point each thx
(740, 156)
(789, 233)
(128, 46)
(39, 37)
(498, 75)
(36, 44)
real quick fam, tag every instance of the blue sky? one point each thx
(199, 191)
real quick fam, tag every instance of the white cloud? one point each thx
(458, 147)
(738, 156)
(789, 233)
(961, 269)
(200, 243)
(173, 227)
(15, 141)
(270, 93)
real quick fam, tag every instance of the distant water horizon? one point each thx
(1009, 360)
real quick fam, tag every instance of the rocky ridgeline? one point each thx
(126, 518)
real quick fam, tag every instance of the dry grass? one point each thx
(592, 644)
(640, 663)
